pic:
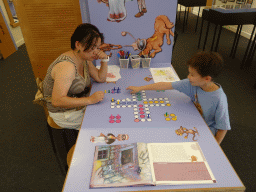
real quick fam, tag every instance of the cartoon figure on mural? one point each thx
(110, 138)
(117, 11)
(183, 130)
(162, 27)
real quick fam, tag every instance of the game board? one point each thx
(141, 106)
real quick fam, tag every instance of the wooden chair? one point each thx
(62, 139)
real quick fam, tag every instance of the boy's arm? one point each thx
(154, 86)
(220, 135)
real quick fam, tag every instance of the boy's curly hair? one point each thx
(207, 63)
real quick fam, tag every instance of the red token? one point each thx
(118, 121)
(140, 105)
(141, 109)
(111, 121)
(136, 120)
(142, 112)
(142, 116)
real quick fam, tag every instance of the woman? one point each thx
(67, 81)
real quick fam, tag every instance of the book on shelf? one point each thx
(139, 164)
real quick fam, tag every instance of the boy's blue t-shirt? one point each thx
(214, 104)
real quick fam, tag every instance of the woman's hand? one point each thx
(102, 55)
(96, 97)
(133, 89)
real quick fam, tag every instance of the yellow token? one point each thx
(166, 115)
(174, 118)
(168, 104)
(167, 119)
(173, 115)
(156, 101)
(150, 101)
(145, 102)
(161, 101)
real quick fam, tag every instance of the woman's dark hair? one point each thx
(207, 63)
(87, 34)
(110, 140)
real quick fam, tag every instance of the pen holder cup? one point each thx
(135, 61)
(145, 62)
(124, 63)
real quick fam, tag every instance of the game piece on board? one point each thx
(142, 116)
(156, 101)
(148, 116)
(151, 105)
(147, 109)
(135, 109)
(118, 121)
(105, 91)
(161, 101)
(147, 112)
(143, 120)
(136, 116)
(145, 102)
(108, 91)
(117, 102)
(112, 107)
(136, 120)
(149, 119)
(174, 118)
(113, 91)
(168, 104)
(165, 98)
(167, 119)
(111, 117)
(118, 106)
(135, 112)
(129, 106)
(145, 105)
(163, 105)
(141, 109)
(151, 102)
(167, 101)
(157, 105)
(141, 112)
(111, 121)
(134, 105)
(123, 106)
(140, 105)
(118, 116)
(166, 114)
(112, 100)
(173, 115)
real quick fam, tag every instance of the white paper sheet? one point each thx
(113, 73)
(166, 74)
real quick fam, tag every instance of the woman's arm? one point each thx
(64, 74)
(98, 75)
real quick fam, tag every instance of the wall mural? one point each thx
(140, 27)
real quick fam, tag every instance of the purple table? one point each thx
(159, 130)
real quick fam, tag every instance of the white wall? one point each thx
(246, 30)
(16, 32)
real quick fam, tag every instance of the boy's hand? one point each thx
(96, 97)
(133, 88)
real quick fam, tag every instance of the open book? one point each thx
(150, 164)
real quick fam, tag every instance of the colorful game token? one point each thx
(142, 116)
(136, 116)
(136, 120)
(143, 120)
(118, 106)
(118, 116)
(111, 121)
(151, 105)
(135, 109)
(117, 102)
(173, 115)
(134, 105)
(123, 106)
(150, 99)
(156, 101)
(157, 105)
(145, 105)
(141, 112)
(151, 102)
(166, 114)
(145, 102)
(149, 119)
(118, 121)
(112, 100)
(147, 109)
(167, 101)
(105, 91)
(168, 104)
(174, 118)
(165, 98)
(129, 106)
(147, 112)
(108, 91)
(160, 98)
(163, 105)
(135, 112)
(111, 117)
(161, 101)
(112, 107)
(140, 105)
(167, 119)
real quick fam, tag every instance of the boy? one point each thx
(209, 97)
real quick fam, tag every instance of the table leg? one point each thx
(200, 34)
(206, 35)
(218, 40)
(214, 36)
(238, 37)
(197, 18)
(234, 42)
(247, 49)
(251, 53)
(187, 16)
(179, 12)
(184, 19)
